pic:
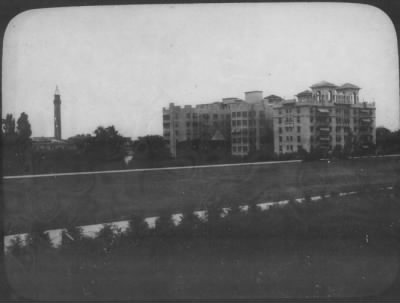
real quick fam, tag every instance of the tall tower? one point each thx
(57, 114)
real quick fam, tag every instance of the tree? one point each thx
(108, 237)
(387, 142)
(138, 227)
(38, 238)
(23, 128)
(190, 224)
(151, 147)
(164, 224)
(106, 145)
(8, 126)
(16, 247)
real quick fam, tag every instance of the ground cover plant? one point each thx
(338, 246)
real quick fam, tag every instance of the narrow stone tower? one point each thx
(57, 114)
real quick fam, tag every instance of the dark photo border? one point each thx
(10, 8)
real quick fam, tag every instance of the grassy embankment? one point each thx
(89, 199)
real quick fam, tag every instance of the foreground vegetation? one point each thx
(98, 198)
(339, 246)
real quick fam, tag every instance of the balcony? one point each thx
(322, 111)
(366, 121)
(324, 129)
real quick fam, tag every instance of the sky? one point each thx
(120, 65)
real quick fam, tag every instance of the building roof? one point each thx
(304, 93)
(323, 84)
(348, 86)
(273, 97)
(253, 91)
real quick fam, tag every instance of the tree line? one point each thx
(106, 148)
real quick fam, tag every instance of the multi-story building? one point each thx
(241, 123)
(251, 123)
(203, 121)
(324, 118)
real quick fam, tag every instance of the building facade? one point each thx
(240, 123)
(324, 118)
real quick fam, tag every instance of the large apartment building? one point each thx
(244, 124)
(323, 118)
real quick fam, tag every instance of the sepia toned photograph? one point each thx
(205, 151)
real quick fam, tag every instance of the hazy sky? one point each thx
(120, 65)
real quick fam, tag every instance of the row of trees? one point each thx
(222, 243)
(16, 142)
(107, 148)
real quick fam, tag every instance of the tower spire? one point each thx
(57, 114)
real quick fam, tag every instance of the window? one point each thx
(280, 148)
(311, 119)
(245, 149)
(245, 122)
(280, 130)
(233, 122)
(188, 116)
(238, 114)
(244, 114)
(298, 110)
(280, 138)
(298, 139)
(298, 119)
(215, 116)
(279, 120)
(311, 128)
(298, 129)
(234, 114)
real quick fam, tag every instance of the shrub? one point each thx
(16, 247)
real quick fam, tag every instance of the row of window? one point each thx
(289, 129)
(244, 140)
(289, 139)
(288, 120)
(240, 149)
(288, 111)
(289, 148)
(243, 122)
(344, 111)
